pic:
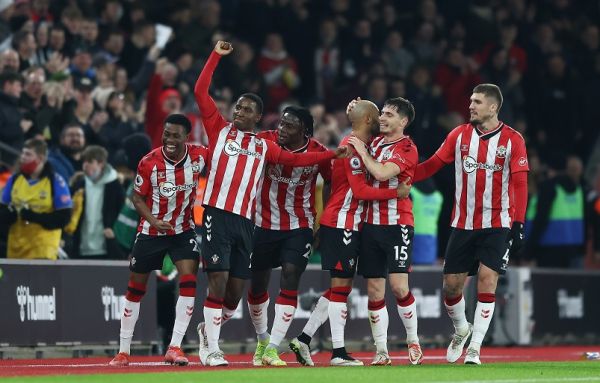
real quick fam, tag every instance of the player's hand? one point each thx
(161, 226)
(517, 235)
(223, 48)
(343, 152)
(358, 145)
(403, 189)
(351, 105)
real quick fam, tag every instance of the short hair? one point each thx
(490, 90)
(19, 38)
(179, 119)
(10, 77)
(257, 100)
(38, 145)
(303, 114)
(403, 107)
(70, 125)
(94, 152)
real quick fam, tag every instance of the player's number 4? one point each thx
(400, 253)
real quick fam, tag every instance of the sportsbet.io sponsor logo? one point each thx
(470, 164)
(167, 189)
(36, 307)
(233, 148)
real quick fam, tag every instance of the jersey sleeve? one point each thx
(406, 157)
(61, 193)
(211, 118)
(6, 192)
(276, 155)
(446, 150)
(518, 156)
(355, 173)
(141, 184)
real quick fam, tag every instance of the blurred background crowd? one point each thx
(87, 78)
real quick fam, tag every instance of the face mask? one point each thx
(96, 175)
(28, 168)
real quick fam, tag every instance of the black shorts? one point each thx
(149, 251)
(339, 250)
(226, 242)
(274, 247)
(467, 248)
(385, 249)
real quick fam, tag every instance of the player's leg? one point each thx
(233, 295)
(493, 251)
(147, 255)
(459, 262)
(296, 247)
(301, 344)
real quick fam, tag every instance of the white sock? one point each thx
(379, 321)
(131, 312)
(183, 313)
(481, 322)
(227, 314)
(212, 319)
(319, 316)
(338, 312)
(259, 317)
(408, 314)
(281, 323)
(456, 312)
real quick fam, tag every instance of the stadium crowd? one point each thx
(85, 87)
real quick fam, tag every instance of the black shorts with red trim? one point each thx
(149, 251)
(274, 247)
(468, 248)
(339, 249)
(226, 242)
(385, 249)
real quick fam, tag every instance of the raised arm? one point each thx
(211, 118)
(360, 188)
(276, 155)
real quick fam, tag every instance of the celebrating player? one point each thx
(237, 162)
(340, 237)
(165, 189)
(490, 200)
(386, 243)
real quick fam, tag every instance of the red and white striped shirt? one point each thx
(484, 163)
(349, 189)
(170, 188)
(237, 158)
(395, 211)
(287, 194)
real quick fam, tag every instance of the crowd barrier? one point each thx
(80, 302)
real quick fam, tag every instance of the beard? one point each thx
(70, 150)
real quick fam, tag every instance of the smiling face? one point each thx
(482, 108)
(173, 139)
(290, 129)
(245, 114)
(390, 121)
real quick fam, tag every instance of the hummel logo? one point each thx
(256, 312)
(226, 317)
(287, 317)
(344, 314)
(346, 241)
(127, 313)
(208, 225)
(189, 310)
(347, 233)
(209, 218)
(408, 315)
(217, 321)
(485, 314)
(374, 318)
(404, 230)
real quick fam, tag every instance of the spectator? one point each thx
(66, 159)
(57, 40)
(556, 236)
(31, 100)
(327, 60)
(81, 65)
(160, 102)
(9, 61)
(427, 206)
(397, 59)
(103, 198)
(12, 130)
(42, 53)
(35, 220)
(89, 34)
(137, 46)
(24, 43)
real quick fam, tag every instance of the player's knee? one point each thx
(400, 291)
(290, 277)
(187, 285)
(452, 290)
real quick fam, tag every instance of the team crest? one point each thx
(195, 167)
(214, 259)
(258, 142)
(501, 152)
(386, 156)
(307, 170)
(43, 194)
(161, 175)
(354, 163)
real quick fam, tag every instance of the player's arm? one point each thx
(519, 167)
(141, 189)
(381, 172)
(276, 155)
(362, 190)
(211, 118)
(443, 156)
(62, 205)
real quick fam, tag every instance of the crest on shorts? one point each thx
(501, 151)
(214, 259)
(132, 262)
(351, 262)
